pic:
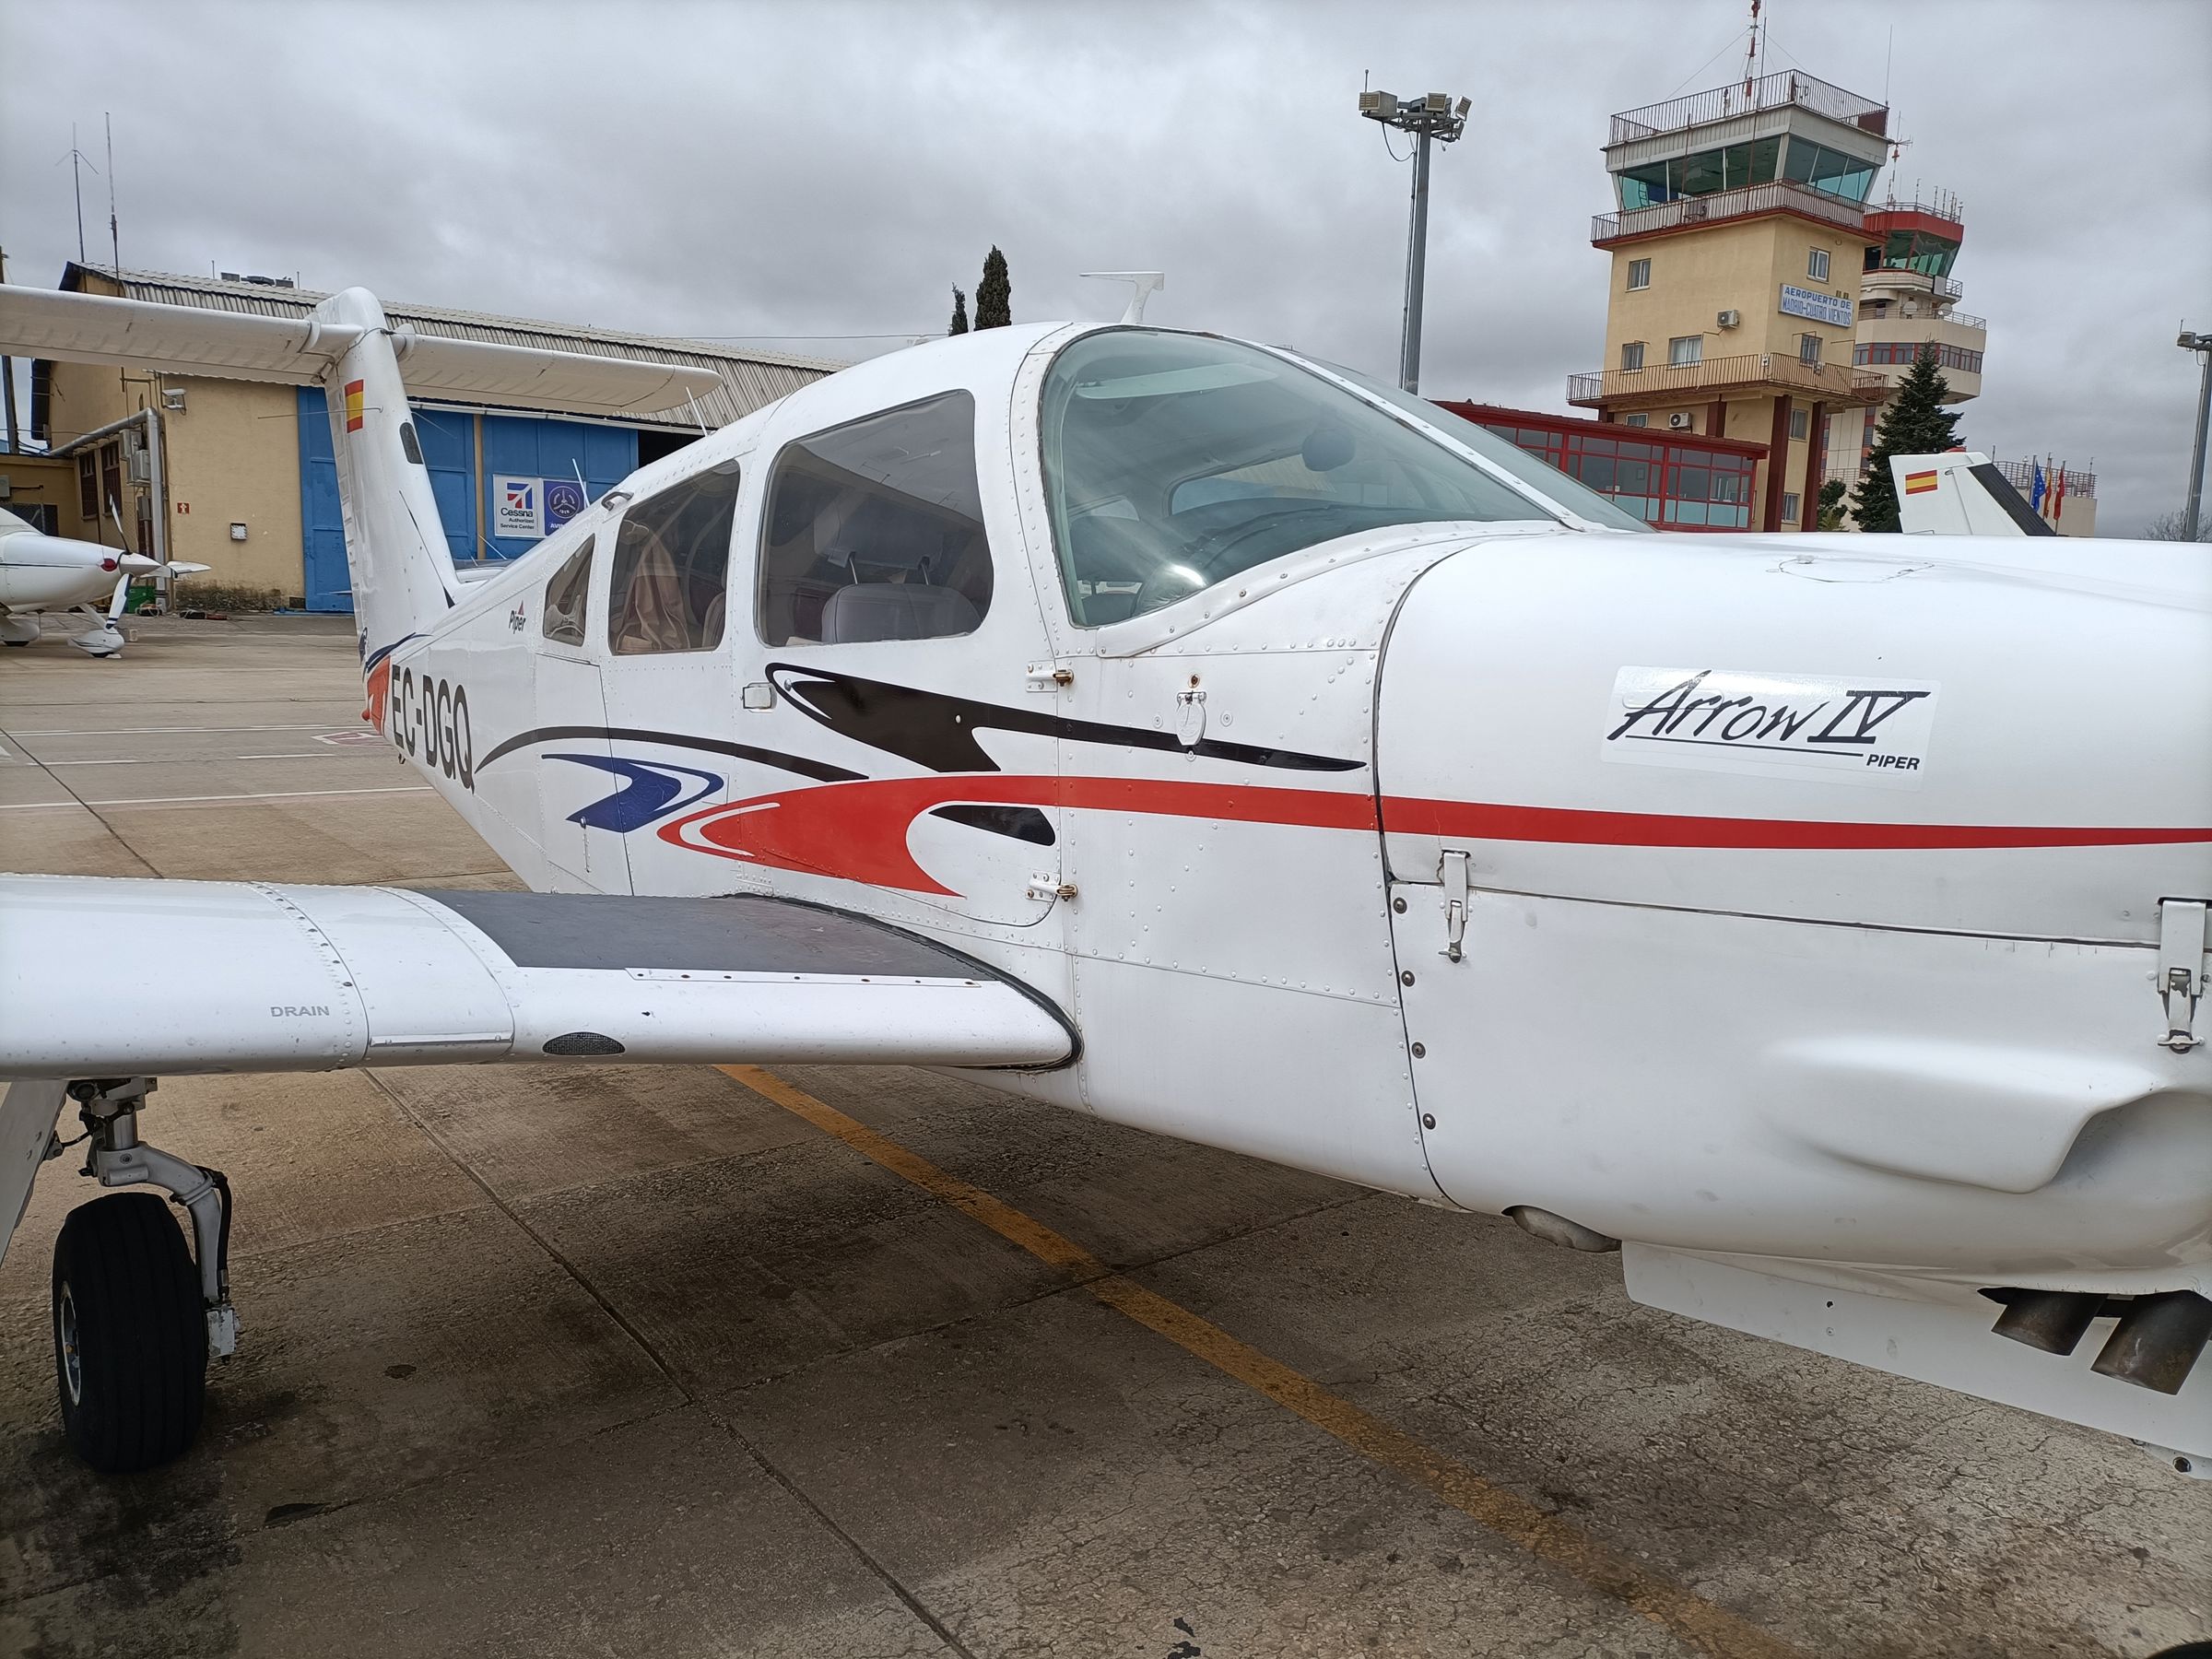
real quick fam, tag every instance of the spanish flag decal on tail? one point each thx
(1915, 483)
(353, 407)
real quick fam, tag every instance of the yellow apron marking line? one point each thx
(1700, 1623)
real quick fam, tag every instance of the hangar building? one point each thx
(238, 475)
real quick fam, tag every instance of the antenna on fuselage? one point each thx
(1143, 286)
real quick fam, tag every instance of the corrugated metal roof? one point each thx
(749, 379)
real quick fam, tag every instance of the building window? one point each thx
(1631, 356)
(672, 567)
(1789, 507)
(1801, 424)
(1640, 273)
(1817, 266)
(1808, 349)
(876, 531)
(1686, 352)
(87, 486)
(1635, 421)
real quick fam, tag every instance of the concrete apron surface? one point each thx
(542, 1360)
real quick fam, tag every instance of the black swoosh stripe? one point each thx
(820, 771)
(938, 730)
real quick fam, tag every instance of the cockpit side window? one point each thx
(568, 595)
(1173, 461)
(669, 587)
(875, 531)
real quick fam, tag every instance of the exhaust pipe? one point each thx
(2053, 1320)
(2158, 1341)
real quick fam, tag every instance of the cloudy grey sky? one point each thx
(831, 170)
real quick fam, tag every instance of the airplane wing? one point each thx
(144, 335)
(249, 977)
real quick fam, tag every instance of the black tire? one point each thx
(130, 1334)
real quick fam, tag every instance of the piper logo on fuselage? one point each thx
(1872, 730)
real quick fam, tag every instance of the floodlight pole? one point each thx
(1417, 267)
(1432, 117)
(2202, 344)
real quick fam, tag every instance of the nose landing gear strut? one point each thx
(135, 1315)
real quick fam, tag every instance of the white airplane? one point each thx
(1190, 733)
(41, 573)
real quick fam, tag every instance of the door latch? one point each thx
(1050, 677)
(2182, 924)
(1454, 869)
(1048, 888)
(1190, 716)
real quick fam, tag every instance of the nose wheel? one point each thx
(136, 1313)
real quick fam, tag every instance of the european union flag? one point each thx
(2035, 494)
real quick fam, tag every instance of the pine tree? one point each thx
(994, 293)
(1916, 424)
(1830, 515)
(959, 313)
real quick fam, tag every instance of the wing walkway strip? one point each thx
(1702, 1625)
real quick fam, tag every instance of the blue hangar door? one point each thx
(512, 444)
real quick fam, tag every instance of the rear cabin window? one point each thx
(566, 596)
(875, 531)
(670, 584)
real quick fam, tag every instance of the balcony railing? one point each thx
(2021, 475)
(1781, 196)
(1906, 281)
(1831, 380)
(1775, 91)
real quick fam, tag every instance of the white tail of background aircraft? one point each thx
(1960, 493)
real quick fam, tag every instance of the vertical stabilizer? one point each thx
(395, 547)
(1959, 493)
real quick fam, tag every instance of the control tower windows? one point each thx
(1830, 171)
(1732, 167)
(1816, 265)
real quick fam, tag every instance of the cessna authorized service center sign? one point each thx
(526, 508)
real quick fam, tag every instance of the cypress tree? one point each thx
(994, 293)
(959, 313)
(1916, 424)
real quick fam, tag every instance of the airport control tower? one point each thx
(1909, 299)
(1737, 248)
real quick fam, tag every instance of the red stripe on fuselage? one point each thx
(1477, 820)
(857, 830)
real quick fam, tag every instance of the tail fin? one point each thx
(403, 575)
(395, 547)
(1959, 494)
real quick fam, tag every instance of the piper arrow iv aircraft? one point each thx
(41, 572)
(1194, 735)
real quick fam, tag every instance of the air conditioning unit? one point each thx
(1680, 423)
(1730, 319)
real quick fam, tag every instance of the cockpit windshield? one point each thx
(1173, 461)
